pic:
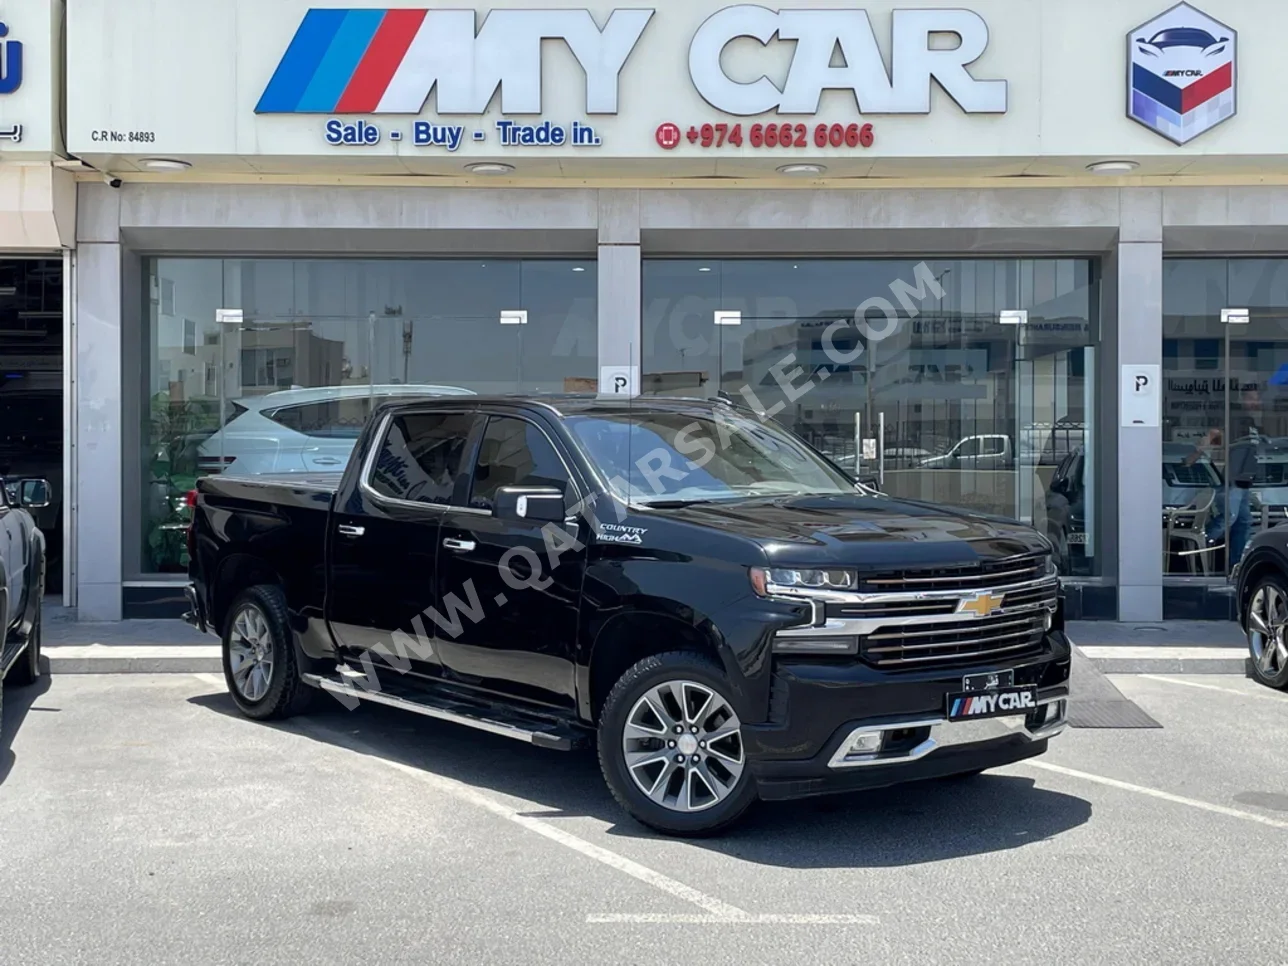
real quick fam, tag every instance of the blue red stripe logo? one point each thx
(341, 61)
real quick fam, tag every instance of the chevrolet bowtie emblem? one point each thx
(981, 605)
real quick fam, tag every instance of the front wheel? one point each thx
(1267, 624)
(671, 749)
(261, 666)
(27, 670)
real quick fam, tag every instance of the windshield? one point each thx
(669, 458)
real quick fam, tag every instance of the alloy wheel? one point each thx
(683, 746)
(250, 653)
(1267, 617)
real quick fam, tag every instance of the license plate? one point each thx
(988, 682)
(992, 704)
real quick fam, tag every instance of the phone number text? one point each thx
(782, 135)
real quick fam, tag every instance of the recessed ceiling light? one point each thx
(704, 269)
(802, 169)
(1112, 167)
(578, 268)
(165, 164)
(489, 167)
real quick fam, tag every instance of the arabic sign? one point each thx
(28, 62)
(10, 76)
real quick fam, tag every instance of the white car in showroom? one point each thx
(300, 430)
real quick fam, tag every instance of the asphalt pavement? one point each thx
(143, 821)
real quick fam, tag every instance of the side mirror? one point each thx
(34, 494)
(535, 504)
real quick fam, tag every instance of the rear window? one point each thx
(333, 419)
(420, 457)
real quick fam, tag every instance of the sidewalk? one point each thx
(157, 646)
(1167, 647)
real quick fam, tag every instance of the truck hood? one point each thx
(864, 531)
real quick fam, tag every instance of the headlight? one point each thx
(779, 578)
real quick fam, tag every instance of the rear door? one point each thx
(384, 535)
(515, 603)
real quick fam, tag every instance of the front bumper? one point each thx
(819, 710)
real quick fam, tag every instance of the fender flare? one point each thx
(35, 578)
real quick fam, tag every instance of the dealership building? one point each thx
(1063, 227)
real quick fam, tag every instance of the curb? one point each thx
(141, 659)
(1126, 659)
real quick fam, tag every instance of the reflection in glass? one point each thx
(934, 395)
(321, 341)
(652, 457)
(1225, 401)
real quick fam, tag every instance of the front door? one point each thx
(514, 600)
(383, 540)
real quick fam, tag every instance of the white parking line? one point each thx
(211, 679)
(780, 919)
(716, 909)
(1156, 793)
(1268, 695)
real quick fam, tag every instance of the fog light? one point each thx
(865, 744)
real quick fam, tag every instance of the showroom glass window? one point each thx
(288, 388)
(1225, 413)
(973, 383)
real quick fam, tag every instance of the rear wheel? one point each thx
(670, 746)
(261, 665)
(1267, 626)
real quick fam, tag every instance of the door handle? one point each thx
(348, 531)
(461, 546)
(326, 461)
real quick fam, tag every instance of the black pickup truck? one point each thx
(717, 606)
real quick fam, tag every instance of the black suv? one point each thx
(720, 608)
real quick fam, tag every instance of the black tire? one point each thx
(27, 670)
(1277, 676)
(286, 694)
(633, 685)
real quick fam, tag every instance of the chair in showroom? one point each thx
(1187, 526)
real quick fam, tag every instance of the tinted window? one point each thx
(335, 418)
(421, 456)
(514, 453)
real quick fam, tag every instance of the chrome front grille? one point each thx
(967, 641)
(944, 618)
(968, 578)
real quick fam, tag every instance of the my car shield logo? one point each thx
(1182, 73)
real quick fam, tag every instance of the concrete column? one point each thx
(97, 357)
(1139, 335)
(620, 330)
